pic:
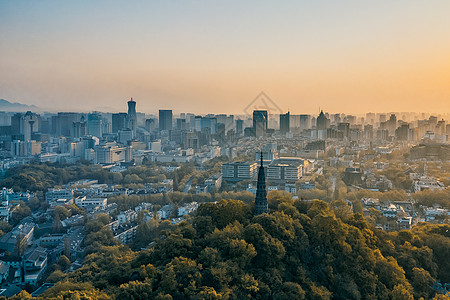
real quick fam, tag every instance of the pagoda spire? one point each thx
(261, 192)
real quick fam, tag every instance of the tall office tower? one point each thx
(350, 119)
(208, 122)
(440, 127)
(284, 123)
(392, 124)
(95, 125)
(222, 118)
(132, 119)
(165, 119)
(64, 123)
(239, 127)
(190, 121)
(119, 122)
(313, 121)
(322, 121)
(106, 126)
(150, 125)
(79, 128)
(305, 122)
(181, 124)
(261, 193)
(402, 132)
(336, 118)
(344, 129)
(382, 118)
(197, 123)
(370, 118)
(260, 122)
(15, 123)
(220, 132)
(44, 125)
(433, 120)
(368, 132)
(29, 124)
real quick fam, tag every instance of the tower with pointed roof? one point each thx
(261, 193)
(322, 121)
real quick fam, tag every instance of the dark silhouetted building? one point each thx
(239, 127)
(261, 192)
(181, 124)
(119, 122)
(165, 119)
(344, 129)
(260, 122)
(64, 123)
(284, 123)
(80, 128)
(131, 117)
(322, 121)
(305, 122)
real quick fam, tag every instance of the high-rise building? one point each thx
(344, 129)
(402, 132)
(322, 121)
(131, 117)
(15, 123)
(239, 127)
(260, 122)
(368, 132)
(150, 124)
(370, 118)
(392, 124)
(181, 124)
(29, 125)
(284, 123)
(79, 128)
(95, 125)
(165, 119)
(209, 122)
(261, 192)
(64, 123)
(119, 122)
(305, 122)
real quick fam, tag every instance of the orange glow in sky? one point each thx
(215, 57)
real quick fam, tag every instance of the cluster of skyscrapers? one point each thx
(111, 137)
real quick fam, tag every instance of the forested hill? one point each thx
(301, 250)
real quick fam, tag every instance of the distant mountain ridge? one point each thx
(5, 105)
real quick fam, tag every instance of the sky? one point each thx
(217, 56)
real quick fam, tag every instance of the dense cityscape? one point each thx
(224, 150)
(74, 183)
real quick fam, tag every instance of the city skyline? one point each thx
(206, 57)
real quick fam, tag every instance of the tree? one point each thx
(226, 212)
(21, 296)
(422, 283)
(63, 262)
(400, 292)
(341, 209)
(62, 213)
(289, 291)
(56, 276)
(135, 290)
(19, 213)
(70, 290)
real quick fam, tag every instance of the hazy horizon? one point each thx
(212, 57)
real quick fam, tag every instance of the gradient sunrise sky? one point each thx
(216, 56)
